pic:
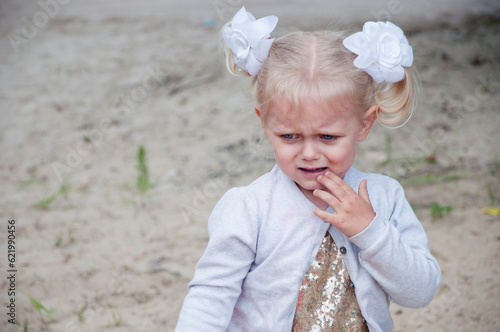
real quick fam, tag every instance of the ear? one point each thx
(259, 114)
(257, 111)
(367, 122)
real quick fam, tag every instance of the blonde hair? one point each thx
(317, 65)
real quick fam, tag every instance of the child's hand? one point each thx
(352, 212)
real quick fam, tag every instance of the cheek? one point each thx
(283, 152)
(343, 154)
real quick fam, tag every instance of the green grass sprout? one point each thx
(117, 318)
(29, 183)
(81, 310)
(438, 210)
(45, 203)
(143, 183)
(491, 196)
(388, 148)
(59, 242)
(40, 307)
(430, 178)
(24, 325)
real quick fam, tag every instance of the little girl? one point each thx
(314, 245)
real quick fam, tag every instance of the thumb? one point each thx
(363, 190)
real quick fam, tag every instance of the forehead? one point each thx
(283, 112)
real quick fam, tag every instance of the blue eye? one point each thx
(328, 137)
(288, 136)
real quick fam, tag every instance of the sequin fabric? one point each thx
(326, 300)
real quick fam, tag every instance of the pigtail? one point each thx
(231, 66)
(385, 54)
(397, 101)
(247, 42)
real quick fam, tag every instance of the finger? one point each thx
(335, 178)
(325, 216)
(335, 184)
(328, 198)
(363, 191)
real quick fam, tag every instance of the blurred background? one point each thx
(121, 128)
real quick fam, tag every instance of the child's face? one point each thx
(315, 138)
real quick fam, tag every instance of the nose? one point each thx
(309, 151)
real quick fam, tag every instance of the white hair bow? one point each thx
(249, 39)
(382, 50)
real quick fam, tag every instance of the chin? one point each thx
(310, 186)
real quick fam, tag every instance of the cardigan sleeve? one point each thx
(218, 277)
(394, 249)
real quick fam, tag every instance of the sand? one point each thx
(84, 84)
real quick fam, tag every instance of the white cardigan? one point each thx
(263, 238)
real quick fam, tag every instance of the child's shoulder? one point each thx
(376, 182)
(247, 201)
(267, 180)
(258, 187)
(357, 174)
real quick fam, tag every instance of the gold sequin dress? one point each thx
(326, 300)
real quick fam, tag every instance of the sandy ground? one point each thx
(84, 84)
